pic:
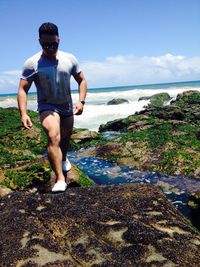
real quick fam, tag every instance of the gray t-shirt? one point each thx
(52, 80)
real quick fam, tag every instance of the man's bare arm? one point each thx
(79, 77)
(24, 86)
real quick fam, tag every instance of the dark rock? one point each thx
(197, 115)
(116, 125)
(117, 101)
(172, 113)
(119, 225)
(198, 135)
(194, 205)
(194, 201)
(187, 98)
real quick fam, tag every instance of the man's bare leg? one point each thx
(51, 122)
(66, 126)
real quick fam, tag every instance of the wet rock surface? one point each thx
(194, 205)
(118, 225)
(195, 200)
(82, 136)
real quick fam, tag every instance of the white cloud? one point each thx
(125, 70)
(130, 70)
(9, 81)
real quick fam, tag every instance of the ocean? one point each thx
(96, 110)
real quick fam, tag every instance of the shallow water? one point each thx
(177, 189)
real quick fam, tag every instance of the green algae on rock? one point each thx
(188, 98)
(75, 175)
(17, 145)
(82, 137)
(39, 175)
(117, 101)
(156, 100)
(164, 139)
(118, 225)
(22, 161)
(36, 173)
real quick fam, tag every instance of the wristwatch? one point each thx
(82, 102)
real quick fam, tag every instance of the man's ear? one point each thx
(39, 41)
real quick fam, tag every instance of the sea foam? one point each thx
(96, 110)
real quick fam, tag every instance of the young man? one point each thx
(51, 70)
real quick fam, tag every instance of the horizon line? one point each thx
(122, 86)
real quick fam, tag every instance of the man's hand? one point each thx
(78, 109)
(26, 121)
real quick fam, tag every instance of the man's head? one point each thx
(49, 38)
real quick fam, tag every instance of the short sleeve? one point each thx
(28, 71)
(76, 68)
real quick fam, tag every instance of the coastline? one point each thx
(97, 112)
(138, 134)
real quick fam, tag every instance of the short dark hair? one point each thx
(48, 28)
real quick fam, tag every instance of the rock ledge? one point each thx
(118, 225)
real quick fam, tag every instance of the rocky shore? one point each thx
(164, 139)
(88, 225)
(118, 225)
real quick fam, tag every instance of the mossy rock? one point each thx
(20, 178)
(168, 147)
(191, 97)
(117, 101)
(82, 178)
(39, 175)
(169, 136)
(116, 125)
(82, 137)
(156, 100)
(18, 145)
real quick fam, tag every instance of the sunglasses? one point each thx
(53, 45)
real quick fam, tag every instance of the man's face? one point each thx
(49, 44)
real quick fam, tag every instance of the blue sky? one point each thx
(117, 42)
